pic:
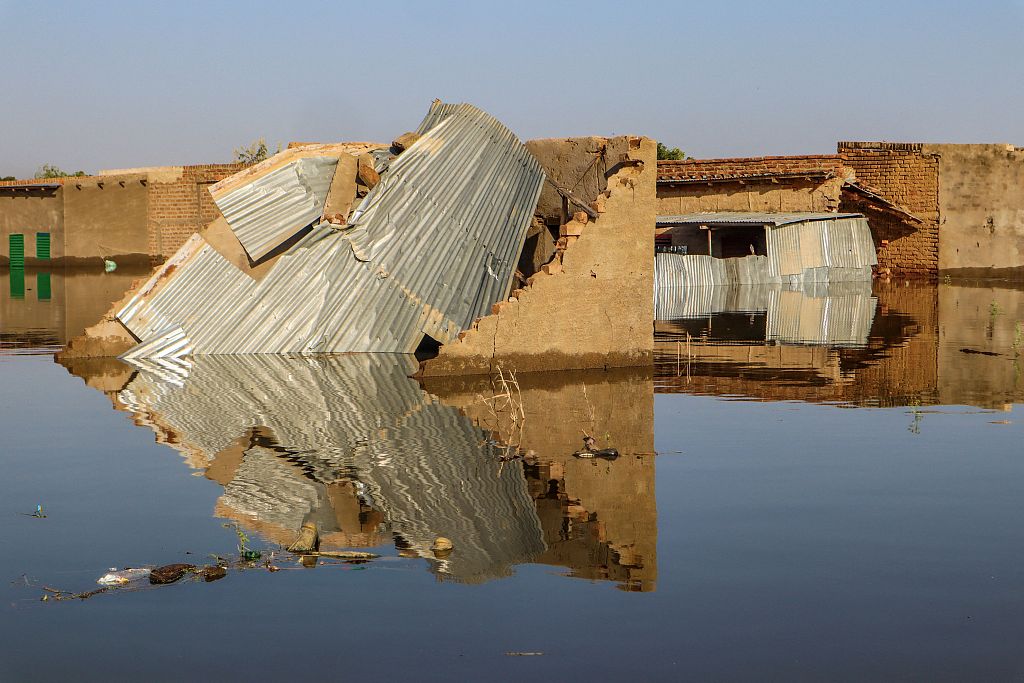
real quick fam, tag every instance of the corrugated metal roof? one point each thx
(432, 247)
(749, 218)
(267, 211)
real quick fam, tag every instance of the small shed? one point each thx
(754, 248)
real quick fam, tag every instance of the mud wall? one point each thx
(981, 209)
(592, 306)
(105, 217)
(28, 212)
(905, 174)
(751, 184)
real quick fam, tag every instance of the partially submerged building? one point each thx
(728, 247)
(820, 183)
(138, 215)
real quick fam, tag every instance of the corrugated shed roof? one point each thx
(432, 247)
(749, 218)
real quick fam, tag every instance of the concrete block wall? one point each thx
(906, 174)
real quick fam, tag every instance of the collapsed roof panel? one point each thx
(431, 247)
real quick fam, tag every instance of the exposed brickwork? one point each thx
(690, 170)
(904, 174)
(779, 184)
(179, 206)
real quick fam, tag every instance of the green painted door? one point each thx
(43, 245)
(17, 250)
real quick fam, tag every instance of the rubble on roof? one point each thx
(373, 247)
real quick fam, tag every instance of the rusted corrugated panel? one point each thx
(432, 247)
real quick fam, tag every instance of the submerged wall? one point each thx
(981, 210)
(591, 307)
(905, 174)
(28, 212)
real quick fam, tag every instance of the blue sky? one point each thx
(115, 84)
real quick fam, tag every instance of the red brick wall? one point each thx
(180, 207)
(905, 175)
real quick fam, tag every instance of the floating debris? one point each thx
(170, 573)
(121, 577)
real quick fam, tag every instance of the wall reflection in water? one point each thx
(352, 443)
(43, 308)
(890, 345)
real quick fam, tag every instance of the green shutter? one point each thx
(43, 286)
(17, 283)
(17, 252)
(43, 245)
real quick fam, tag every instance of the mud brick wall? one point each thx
(751, 184)
(591, 306)
(180, 204)
(904, 174)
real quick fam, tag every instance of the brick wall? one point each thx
(750, 166)
(777, 184)
(180, 204)
(906, 175)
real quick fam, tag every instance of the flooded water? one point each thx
(811, 485)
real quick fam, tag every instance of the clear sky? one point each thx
(108, 84)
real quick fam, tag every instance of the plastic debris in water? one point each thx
(121, 577)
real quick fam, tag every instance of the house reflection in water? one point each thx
(893, 344)
(352, 443)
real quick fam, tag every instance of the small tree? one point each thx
(670, 153)
(254, 153)
(51, 171)
(8, 177)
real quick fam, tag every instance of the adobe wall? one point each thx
(906, 174)
(28, 212)
(784, 196)
(592, 306)
(787, 193)
(981, 209)
(105, 218)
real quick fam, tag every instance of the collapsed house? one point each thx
(337, 248)
(741, 248)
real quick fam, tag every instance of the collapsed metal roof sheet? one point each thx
(749, 217)
(432, 247)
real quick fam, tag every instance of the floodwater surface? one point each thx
(810, 485)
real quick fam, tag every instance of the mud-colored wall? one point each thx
(106, 217)
(981, 209)
(579, 165)
(592, 308)
(28, 212)
(786, 195)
